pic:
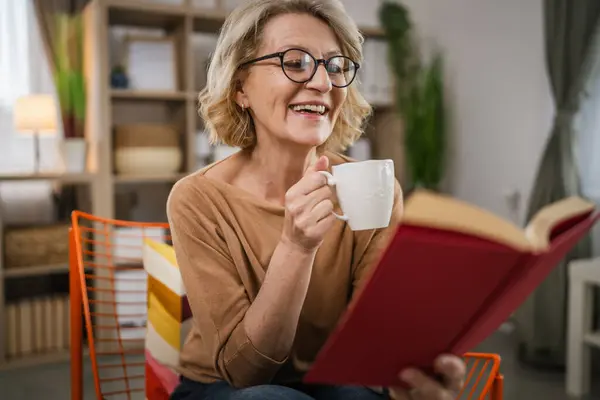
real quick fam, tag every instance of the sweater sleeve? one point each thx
(370, 244)
(214, 288)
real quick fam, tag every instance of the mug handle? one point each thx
(332, 182)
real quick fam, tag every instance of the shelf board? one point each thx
(382, 106)
(160, 178)
(19, 272)
(64, 178)
(131, 94)
(207, 20)
(36, 359)
(145, 14)
(210, 21)
(372, 32)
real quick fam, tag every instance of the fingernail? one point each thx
(406, 375)
(445, 361)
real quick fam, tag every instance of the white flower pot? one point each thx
(74, 155)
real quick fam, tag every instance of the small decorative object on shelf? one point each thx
(36, 114)
(160, 52)
(74, 155)
(147, 149)
(118, 78)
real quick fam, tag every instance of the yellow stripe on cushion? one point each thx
(163, 249)
(158, 263)
(170, 300)
(162, 351)
(166, 326)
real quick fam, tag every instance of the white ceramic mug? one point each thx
(365, 191)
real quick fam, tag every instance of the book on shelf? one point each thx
(451, 274)
(37, 325)
(37, 315)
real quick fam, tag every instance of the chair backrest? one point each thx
(483, 380)
(109, 285)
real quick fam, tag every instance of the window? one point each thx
(587, 130)
(24, 69)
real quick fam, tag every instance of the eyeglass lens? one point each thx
(299, 66)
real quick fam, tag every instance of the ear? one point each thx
(240, 97)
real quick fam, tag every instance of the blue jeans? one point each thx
(191, 390)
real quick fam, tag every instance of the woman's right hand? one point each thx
(308, 209)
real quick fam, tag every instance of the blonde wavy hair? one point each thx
(238, 42)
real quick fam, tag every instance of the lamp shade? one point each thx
(36, 113)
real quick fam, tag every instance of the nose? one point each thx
(320, 80)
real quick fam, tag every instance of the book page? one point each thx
(540, 227)
(429, 209)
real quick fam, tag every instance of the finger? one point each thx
(305, 203)
(324, 225)
(399, 394)
(322, 210)
(426, 387)
(453, 370)
(320, 165)
(309, 183)
(317, 196)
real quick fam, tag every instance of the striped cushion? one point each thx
(169, 319)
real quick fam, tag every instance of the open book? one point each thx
(431, 210)
(450, 276)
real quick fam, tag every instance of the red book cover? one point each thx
(521, 284)
(436, 290)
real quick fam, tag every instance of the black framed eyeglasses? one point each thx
(300, 66)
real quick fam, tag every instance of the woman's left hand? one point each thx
(452, 370)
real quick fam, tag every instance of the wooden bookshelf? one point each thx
(126, 94)
(84, 178)
(35, 353)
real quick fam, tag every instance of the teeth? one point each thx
(310, 107)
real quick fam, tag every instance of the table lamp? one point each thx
(36, 114)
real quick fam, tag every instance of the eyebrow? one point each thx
(330, 53)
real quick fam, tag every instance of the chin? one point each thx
(310, 138)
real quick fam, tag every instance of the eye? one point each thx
(334, 69)
(294, 64)
(337, 65)
(297, 60)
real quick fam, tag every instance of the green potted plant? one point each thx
(419, 99)
(70, 85)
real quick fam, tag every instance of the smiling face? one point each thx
(302, 114)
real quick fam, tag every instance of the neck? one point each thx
(277, 168)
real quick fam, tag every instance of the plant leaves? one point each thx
(419, 97)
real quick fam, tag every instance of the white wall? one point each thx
(499, 96)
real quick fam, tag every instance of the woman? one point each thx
(267, 268)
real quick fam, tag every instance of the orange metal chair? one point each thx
(105, 277)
